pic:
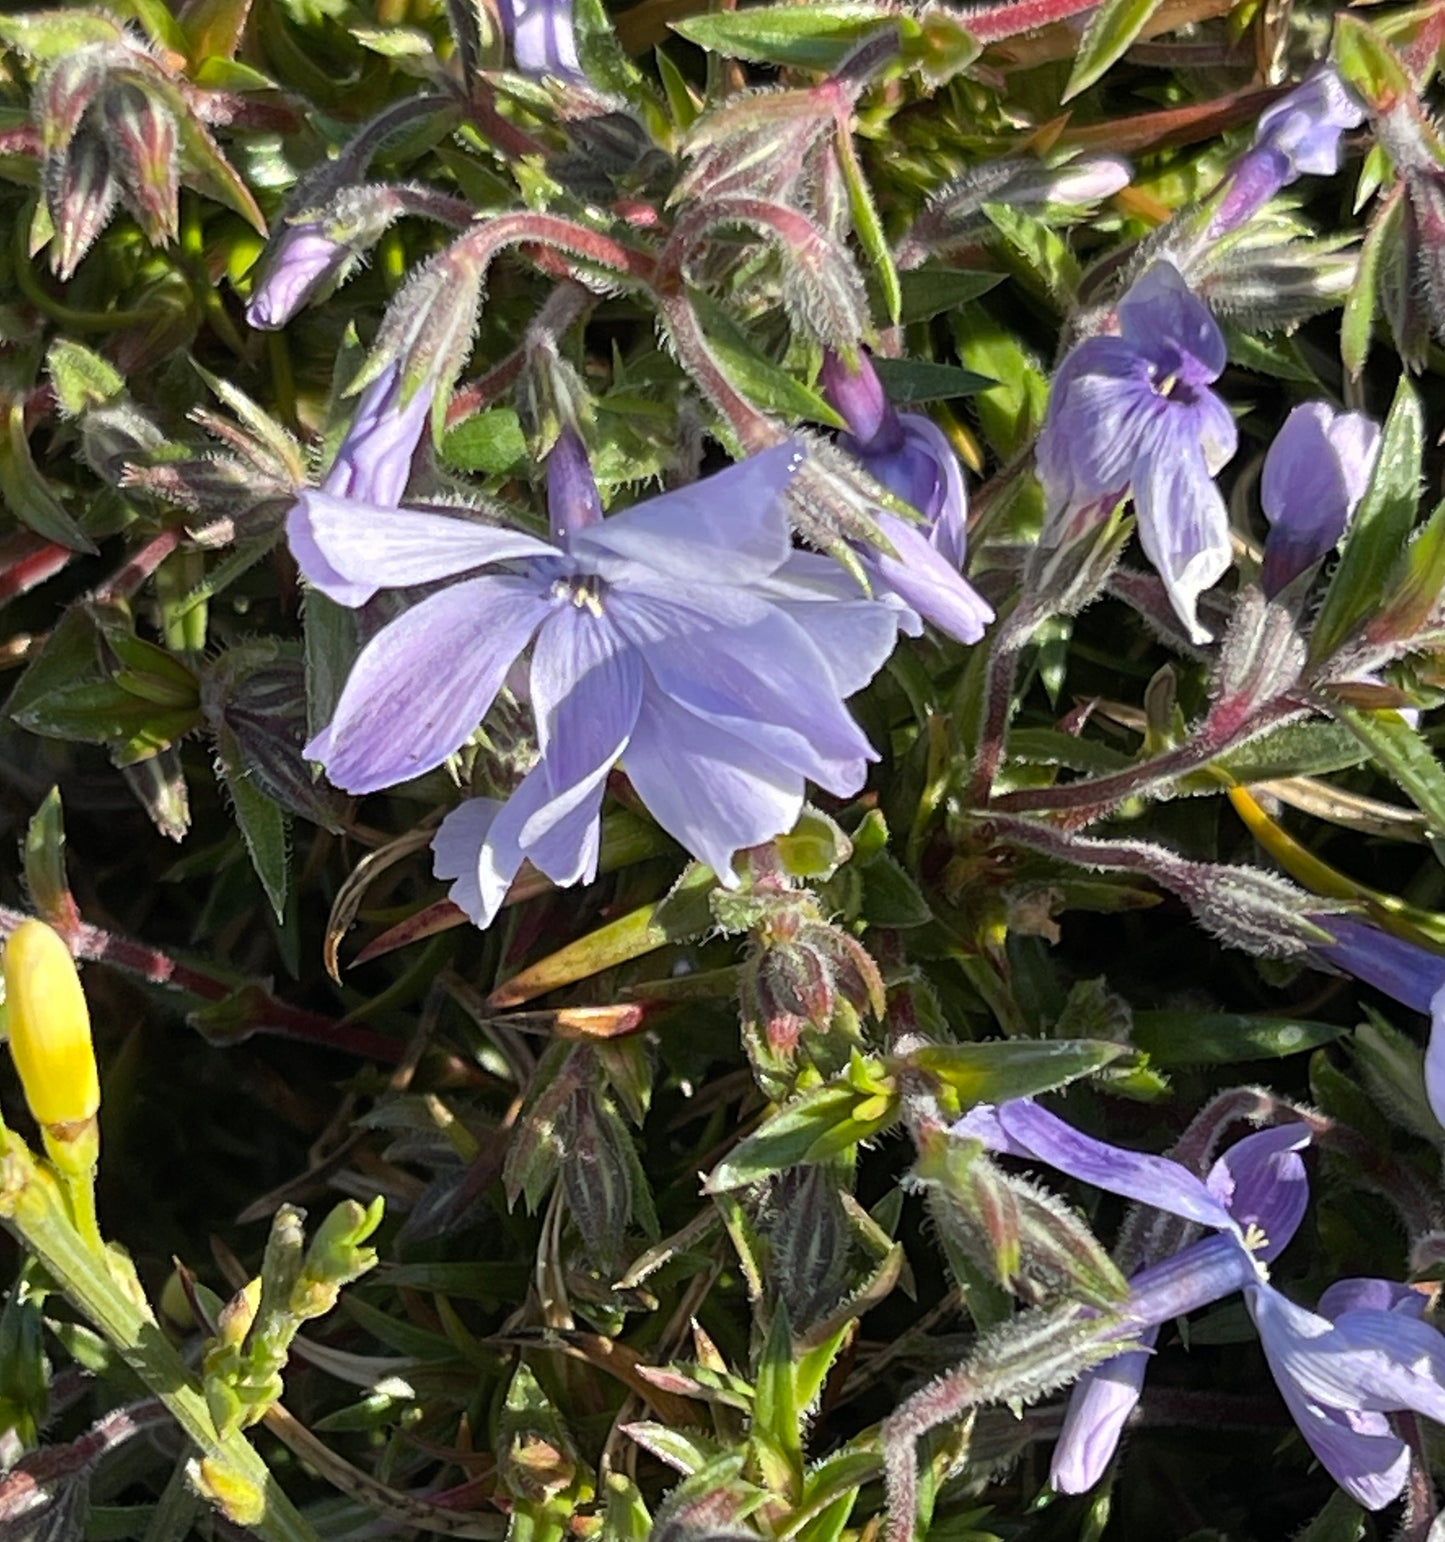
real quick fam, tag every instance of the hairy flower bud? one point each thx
(49, 1028)
(141, 135)
(374, 460)
(81, 194)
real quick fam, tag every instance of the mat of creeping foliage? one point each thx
(753, 688)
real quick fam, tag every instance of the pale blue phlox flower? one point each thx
(1134, 414)
(1341, 1369)
(682, 637)
(910, 455)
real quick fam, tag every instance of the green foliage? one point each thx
(676, 1222)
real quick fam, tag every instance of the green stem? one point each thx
(34, 1210)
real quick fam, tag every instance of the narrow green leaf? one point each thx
(909, 381)
(810, 37)
(1297, 749)
(1220, 1038)
(1000, 1069)
(869, 227)
(1044, 251)
(681, 102)
(764, 383)
(44, 859)
(809, 1128)
(262, 824)
(27, 493)
(1381, 527)
(928, 291)
(46, 35)
(1404, 755)
(1357, 326)
(776, 1412)
(1369, 64)
(1112, 28)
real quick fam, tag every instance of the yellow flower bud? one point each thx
(49, 1028)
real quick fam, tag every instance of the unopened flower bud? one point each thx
(141, 136)
(1315, 475)
(1090, 179)
(573, 502)
(300, 262)
(374, 461)
(50, 1031)
(81, 201)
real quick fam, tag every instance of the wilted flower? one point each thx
(1300, 134)
(1339, 1370)
(1133, 414)
(1413, 976)
(672, 636)
(910, 456)
(542, 37)
(1315, 474)
(296, 265)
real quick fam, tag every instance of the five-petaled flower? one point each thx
(1341, 1370)
(1134, 414)
(683, 637)
(1315, 474)
(910, 456)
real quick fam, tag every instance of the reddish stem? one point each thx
(96, 945)
(1095, 796)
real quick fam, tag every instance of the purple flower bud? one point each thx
(296, 265)
(572, 499)
(374, 461)
(859, 396)
(540, 32)
(910, 456)
(1315, 474)
(1299, 134)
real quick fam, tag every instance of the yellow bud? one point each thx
(49, 1028)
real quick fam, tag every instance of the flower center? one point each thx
(585, 592)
